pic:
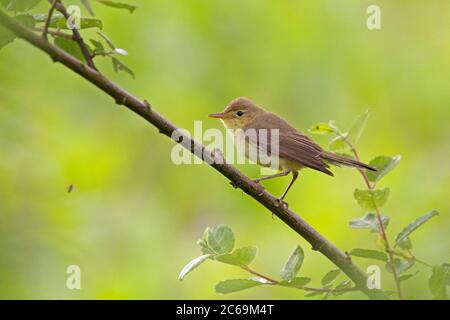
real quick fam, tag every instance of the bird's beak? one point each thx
(219, 115)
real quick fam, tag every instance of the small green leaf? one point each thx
(107, 40)
(330, 276)
(70, 47)
(229, 286)
(321, 128)
(414, 226)
(438, 282)
(384, 165)
(298, 282)
(367, 253)
(204, 247)
(371, 199)
(19, 5)
(99, 48)
(118, 5)
(192, 265)
(369, 221)
(220, 239)
(356, 130)
(405, 277)
(340, 288)
(400, 265)
(239, 257)
(88, 7)
(6, 36)
(120, 66)
(315, 293)
(405, 244)
(85, 23)
(338, 144)
(293, 264)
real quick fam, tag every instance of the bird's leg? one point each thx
(281, 174)
(294, 177)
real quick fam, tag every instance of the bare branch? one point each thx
(237, 178)
(76, 35)
(49, 19)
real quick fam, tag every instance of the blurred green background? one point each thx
(132, 221)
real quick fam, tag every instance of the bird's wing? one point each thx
(293, 145)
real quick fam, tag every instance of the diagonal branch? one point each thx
(57, 4)
(237, 178)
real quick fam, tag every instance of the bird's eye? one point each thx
(240, 113)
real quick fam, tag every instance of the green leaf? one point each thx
(406, 276)
(6, 36)
(371, 199)
(192, 265)
(298, 282)
(99, 48)
(321, 128)
(338, 144)
(339, 290)
(118, 5)
(88, 7)
(120, 66)
(330, 276)
(69, 46)
(293, 264)
(229, 286)
(414, 226)
(371, 254)
(405, 244)
(400, 265)
(356, 130)
(107, 40)
(369, 221)
(239, 257)
(19, 5)
(85, 23)
(220, 239)
(315, 293)
(438, 282)
(384, 165)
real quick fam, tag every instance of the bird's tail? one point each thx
(337, 159)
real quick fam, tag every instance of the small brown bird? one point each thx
(295, 150)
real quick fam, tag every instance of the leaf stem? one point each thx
(275, 282)
(382, 230)
(248, 269)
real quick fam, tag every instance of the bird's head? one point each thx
(238, 113)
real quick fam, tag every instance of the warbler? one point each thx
(295, 150)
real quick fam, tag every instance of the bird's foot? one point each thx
(282, 203)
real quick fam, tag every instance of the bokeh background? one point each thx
(133, 218)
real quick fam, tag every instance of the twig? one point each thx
(247, 268)
(275, 282)
(49, 19)
(55, 33)
(165, 127)
(76, 35)
(382, 230)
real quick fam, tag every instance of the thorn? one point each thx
(148, 105)
(121, 101)
(347, 255)
(234, 185)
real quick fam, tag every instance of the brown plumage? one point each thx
(296, 150)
